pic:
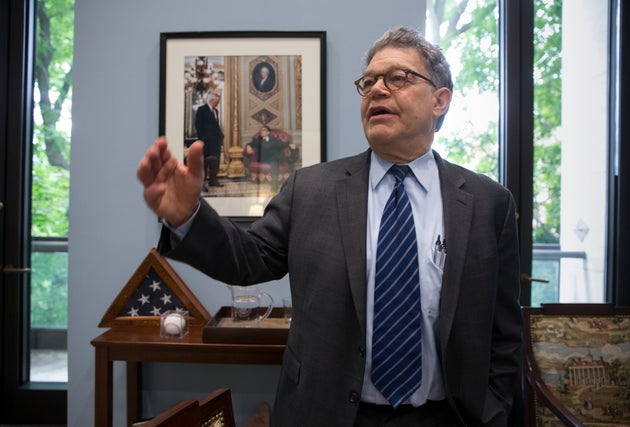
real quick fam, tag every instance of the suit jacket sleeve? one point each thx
(505, 364)
(227, 252)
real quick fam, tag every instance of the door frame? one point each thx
(516, 95)
(23, 401)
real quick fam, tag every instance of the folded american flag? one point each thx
(152, 297)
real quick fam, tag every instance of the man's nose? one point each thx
(379, 88)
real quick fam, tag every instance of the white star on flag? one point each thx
(147, 301)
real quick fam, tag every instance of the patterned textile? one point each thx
(585, 362)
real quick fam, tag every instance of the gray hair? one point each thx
(401, 37)
(211, 95)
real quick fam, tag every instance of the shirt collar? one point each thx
(423, 169)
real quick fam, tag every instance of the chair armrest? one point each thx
(548, 399)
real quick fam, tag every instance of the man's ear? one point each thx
(442, 98)
(442, 101)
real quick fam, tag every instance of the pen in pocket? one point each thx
(439, 253)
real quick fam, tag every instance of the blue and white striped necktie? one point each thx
(397, 338)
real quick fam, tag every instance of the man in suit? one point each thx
(322, 230)
(266, 148)
(209, 131)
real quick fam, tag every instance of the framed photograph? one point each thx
(256, 100)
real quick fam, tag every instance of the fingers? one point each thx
(152, 162)
(171, 189)
(195, 159)
(153, 195)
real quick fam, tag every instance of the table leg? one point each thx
(103, 389)
(134, 382)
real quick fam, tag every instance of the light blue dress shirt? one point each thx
(424, 193)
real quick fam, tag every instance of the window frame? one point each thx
(23, 401)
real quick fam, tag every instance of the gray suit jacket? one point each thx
(315, 230)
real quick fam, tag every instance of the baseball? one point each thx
(174, 324)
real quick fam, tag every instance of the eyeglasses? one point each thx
(394, 79)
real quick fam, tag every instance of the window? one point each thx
(50, 190)
(467, 32)
(570, 130)
(571, 148)
(24, 250)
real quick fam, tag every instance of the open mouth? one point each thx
(378, 111)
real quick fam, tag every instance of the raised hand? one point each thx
(171, 189)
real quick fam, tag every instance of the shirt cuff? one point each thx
(181, 231)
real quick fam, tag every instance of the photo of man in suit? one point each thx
(445, 307)
(209, 131)
(264, 77)
(268, 149)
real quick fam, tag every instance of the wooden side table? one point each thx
(137, 344)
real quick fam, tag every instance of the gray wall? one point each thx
(115, 119)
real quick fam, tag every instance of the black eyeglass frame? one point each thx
(376, 77)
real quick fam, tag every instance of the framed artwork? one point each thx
(255, 99)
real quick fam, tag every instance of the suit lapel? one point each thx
(352, 195)
(458, 209)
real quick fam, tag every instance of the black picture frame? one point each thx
(291, 103)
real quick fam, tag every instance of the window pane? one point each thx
(49, 289)
(469, 39)
(570, 150)
(545, 291)
(49, 313)
(50, 190)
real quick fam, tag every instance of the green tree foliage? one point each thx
(547, 120)
(49, 290)
(468, 30)
(467, 33)
(51, 159)
(51, 137)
